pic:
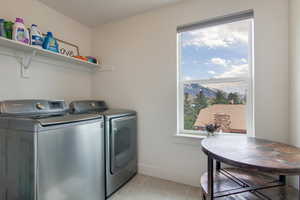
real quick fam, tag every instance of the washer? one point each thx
(120, 141)
(46, 154)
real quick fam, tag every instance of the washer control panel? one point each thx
(33, 107)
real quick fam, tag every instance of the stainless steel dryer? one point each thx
(46, 154)
(120, 141)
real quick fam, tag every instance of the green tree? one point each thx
(187, 103)
(220, 98)
(234, 98)
(192, 109)
(201, 101)
(189, 121)
(190, 116)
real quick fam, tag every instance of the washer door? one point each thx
(123, 142)
(70, 163)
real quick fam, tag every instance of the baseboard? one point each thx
(166, 174)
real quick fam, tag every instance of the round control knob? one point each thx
(39, 106)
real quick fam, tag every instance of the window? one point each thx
(215, 75)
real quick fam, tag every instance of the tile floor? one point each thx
(148, 188)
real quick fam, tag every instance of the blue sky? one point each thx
(215, 52)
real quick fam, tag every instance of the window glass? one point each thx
(214, 76)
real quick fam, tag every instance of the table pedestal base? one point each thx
(239, 184)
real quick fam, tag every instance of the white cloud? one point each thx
(220, 61)
(243, 60)
(219, 36)
(187, 78)
(234, 68)
(211, 72)
(235, 71)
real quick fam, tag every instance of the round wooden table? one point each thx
(260, 168)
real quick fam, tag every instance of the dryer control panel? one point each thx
(88, 106)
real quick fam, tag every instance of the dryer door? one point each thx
(123, 142)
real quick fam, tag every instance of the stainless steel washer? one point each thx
(120, 141)
(46, 154)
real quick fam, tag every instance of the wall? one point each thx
(294, 59)
(294, 71)
(143, 51)
(51, 79)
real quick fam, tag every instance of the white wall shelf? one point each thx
(28, 52)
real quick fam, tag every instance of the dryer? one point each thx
(120, 141)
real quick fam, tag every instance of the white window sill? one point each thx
(195, 140)
(188, 139)
(186, 135)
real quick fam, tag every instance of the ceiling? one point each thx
(97, 12)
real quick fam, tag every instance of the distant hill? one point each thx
(194, 89)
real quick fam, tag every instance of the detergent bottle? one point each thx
(36, 37)
(20, 33)
(50, 43)
(8, 26)
(2, 29)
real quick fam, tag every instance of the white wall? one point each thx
(143, 51)
(294, 59)
(294, 72)
(46, 80)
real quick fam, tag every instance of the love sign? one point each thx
(67, 48)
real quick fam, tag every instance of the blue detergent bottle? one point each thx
(50, 43)
(2, 29)
(36, 36)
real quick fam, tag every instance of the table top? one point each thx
(254, 153)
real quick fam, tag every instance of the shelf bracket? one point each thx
(25, 62)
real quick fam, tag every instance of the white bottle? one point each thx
(20, 32)
(36, 37)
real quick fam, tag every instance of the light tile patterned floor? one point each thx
(148, 188)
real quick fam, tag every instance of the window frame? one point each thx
(247, 15)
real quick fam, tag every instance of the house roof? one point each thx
(237, 113)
